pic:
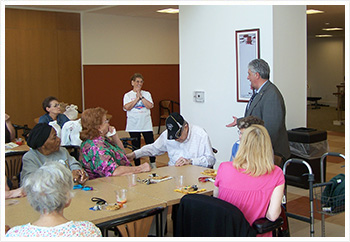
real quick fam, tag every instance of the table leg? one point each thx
(159, 224)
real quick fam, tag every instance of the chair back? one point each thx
(205, 216)
(13, 167)
(166, 107)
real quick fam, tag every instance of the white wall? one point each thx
(325, 68)
(290, 61)
(207, 62)
(108, 39)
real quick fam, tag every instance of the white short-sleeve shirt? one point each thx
(138, 119)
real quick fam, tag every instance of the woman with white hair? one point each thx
(49, 191)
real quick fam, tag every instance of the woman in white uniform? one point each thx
(138, 103)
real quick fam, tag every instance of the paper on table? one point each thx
(10, 145)
(160, 180)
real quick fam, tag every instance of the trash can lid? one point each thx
(306, 135)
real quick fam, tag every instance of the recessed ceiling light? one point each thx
(323, 35)
(313, 11)
(332, 29)
(168, 10)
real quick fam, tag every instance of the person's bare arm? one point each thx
(125, 170)
(274, 209)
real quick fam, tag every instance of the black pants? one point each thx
(149, 139)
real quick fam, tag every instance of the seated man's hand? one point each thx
(182, 161)
(80, 176)
(145, 167)
(131, 156)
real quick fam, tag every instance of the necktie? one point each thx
(251, 100)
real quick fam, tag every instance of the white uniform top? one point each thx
(138, 119)
(196, 147)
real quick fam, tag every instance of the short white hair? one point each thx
(49, 188)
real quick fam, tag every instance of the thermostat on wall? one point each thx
(198, 96)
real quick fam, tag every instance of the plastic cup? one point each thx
(132, 180)
(179, 181)
(121, 195)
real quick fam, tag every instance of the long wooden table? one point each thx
(165, 190)
(140, 198)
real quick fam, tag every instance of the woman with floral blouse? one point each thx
(103, 155)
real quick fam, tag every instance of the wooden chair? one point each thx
(13, 167)
(134, 225)
(166, 107)
(138, 228)
(25, 128)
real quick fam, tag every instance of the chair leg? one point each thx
(160, 120)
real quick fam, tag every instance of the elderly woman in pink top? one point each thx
(251, 181)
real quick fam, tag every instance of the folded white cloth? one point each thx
(71, 133)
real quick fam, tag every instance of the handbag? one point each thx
(71, 112)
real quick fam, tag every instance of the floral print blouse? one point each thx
(69, 229)
(100, 157)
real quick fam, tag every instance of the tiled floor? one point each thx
(298, 198)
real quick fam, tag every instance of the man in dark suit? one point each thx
(267, 103)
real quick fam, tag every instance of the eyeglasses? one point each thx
(55, 105)
(178, 133)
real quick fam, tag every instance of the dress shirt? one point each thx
(196, 147)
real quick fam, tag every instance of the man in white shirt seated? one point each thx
(185, 143)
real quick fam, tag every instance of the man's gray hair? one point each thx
(260, 66)
(49, 188)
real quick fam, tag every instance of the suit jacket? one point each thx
(268, 105)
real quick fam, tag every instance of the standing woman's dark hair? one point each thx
(136, 75)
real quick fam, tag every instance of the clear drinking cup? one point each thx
(121, 195)
(132, 180)
(179, 181)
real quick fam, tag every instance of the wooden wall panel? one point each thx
(69, 67)
(105, 86)
(42, 59)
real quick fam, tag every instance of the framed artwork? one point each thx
(247, 49)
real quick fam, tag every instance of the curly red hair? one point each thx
(91, 119)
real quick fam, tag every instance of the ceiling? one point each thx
(333, 14)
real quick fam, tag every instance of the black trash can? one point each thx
(309, 145)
